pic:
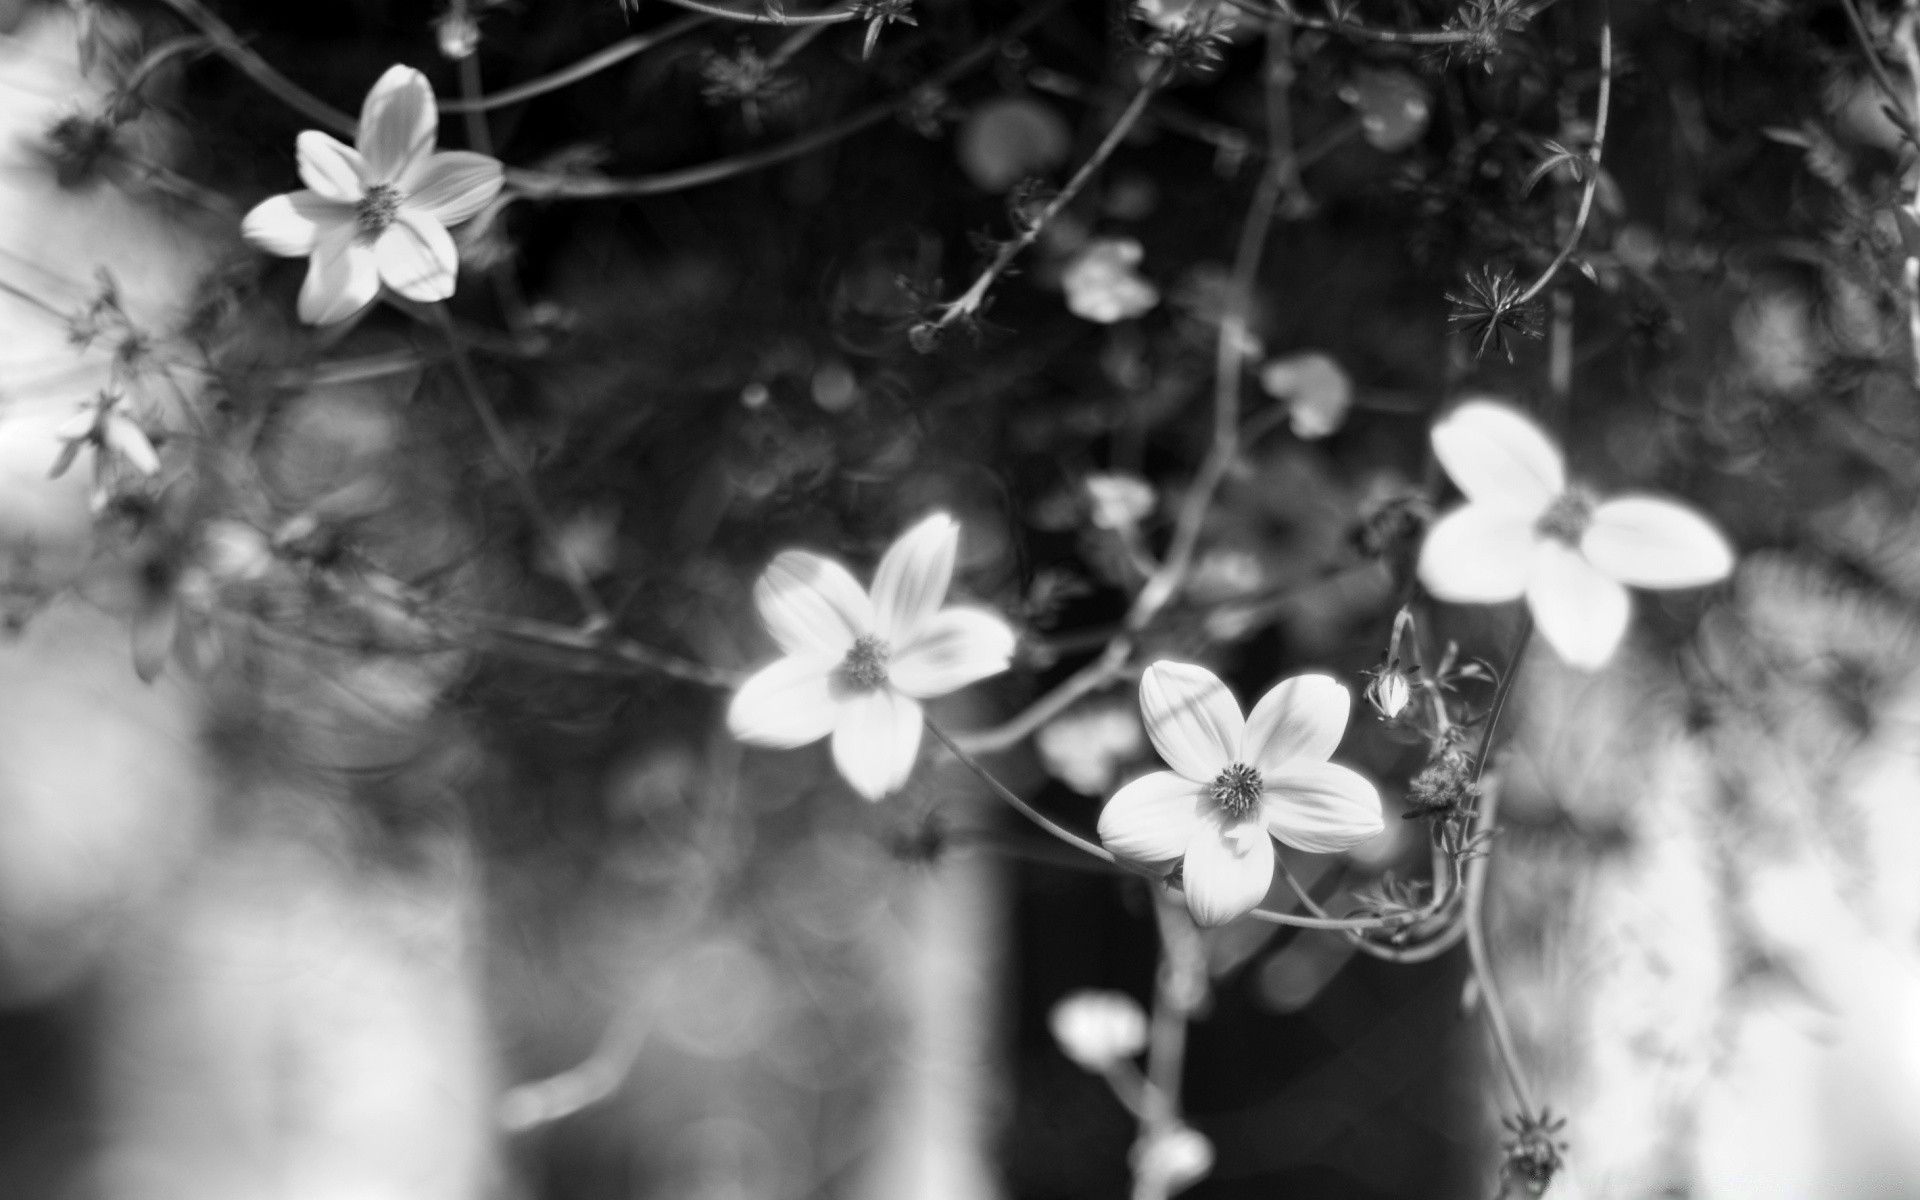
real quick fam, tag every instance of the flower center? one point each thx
(377, 209)
(1566, 518)
(1237, 791)
(865, 667)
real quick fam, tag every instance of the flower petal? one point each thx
(876, 739)
(417, 258)
(1299, 718)
(913, 576)
(1228, 869)
(952, 649)
(1647, 542)
(291, 224)
(398, 124)
(1478, 554)
(1322, 807)
(332, 169)
(1496, 455)
(1193, 719)
(786, 703)
(1153, 818)
(1580, 611)
(452, 186)
(342, 278)
(811, 605)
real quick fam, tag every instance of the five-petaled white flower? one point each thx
(378, 214)
(1235, 781)
(857, 667)
(1525, 531)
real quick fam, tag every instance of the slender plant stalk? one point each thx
(1601, 111)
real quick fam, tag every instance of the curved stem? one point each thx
(541, 185)
(975, 296)
(593, 64)
(723, 13)
(1407, 37)
(1605, 103)
(237, 52)
(1108, 668)
(575, 577)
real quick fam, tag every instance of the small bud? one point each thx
(458, 33)
(1098, 1029)
(1176, 1159)
(1389, 693)
(1120, 501)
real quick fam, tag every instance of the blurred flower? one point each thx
(1525, 531)
(1237, 780)
(858, 666)
(1316, 391)
(106, 427)
(1392, 105)
(1120, 501)
(1173, 1159)
(1101, 283)
(379, 213)
(1085, 746)
(1098, 1029)
(1007, 139)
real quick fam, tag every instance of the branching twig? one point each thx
(970, 301)
(593, 64)
(1593, 170)
(778, 17)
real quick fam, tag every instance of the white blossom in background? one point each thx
(857, 666)
(1120, 501)
(1316, 391)
(1526, 532)
(1097, 1029)
(1086, 746)
(1102, 285)
(1236, 783)
(1173, 1160)
(377, 213)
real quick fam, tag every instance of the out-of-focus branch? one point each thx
(1601, 111)
(773, 15)
(529, 1105)
(592, 64)
(1367, 33)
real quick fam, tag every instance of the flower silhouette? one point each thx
(1525, 531)
(1235, 781)
(858, 666)
(379, 213)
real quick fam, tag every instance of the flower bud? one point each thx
(1098, 1029)
(1389, 694)
(1178, 1159)
(458, 32)
(1119, 501)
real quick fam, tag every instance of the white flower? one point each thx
(1174, 1159)
(1102, 285)
(1316, 391)
(857, 667)
(1120, 501)
(1098, 1029)
(378, 214)
(1235, 781)
(1525, 531)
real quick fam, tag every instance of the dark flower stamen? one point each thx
(865, 667)
(1566, 519)
(1237, 791)
(377, 209)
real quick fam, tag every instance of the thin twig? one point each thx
(529, 1105)
(1110, 667)
(1910, 273)
(1880, 75)
(1407, 37)
(544, 185)
(258, 69)
(593, 64)
(574, 575)
(723, 13)
(1593, 169)
(970, 301)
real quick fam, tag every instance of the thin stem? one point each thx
(529, 1105)
(593, 64)
(1910, 272)
(1229, 351)
(1108, 668)
(479, 137)
(1177, 987)
(723, 13)
(541, 185)
(574, 575)
(623, 652)
(1594, 152)
(1880, 75)
(1408, 37)
(971, 300)
(237, 52)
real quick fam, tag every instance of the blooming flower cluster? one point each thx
(1526, 531)
(858, 665)
(1102, 284)
(1236, 783)
(378, 211)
